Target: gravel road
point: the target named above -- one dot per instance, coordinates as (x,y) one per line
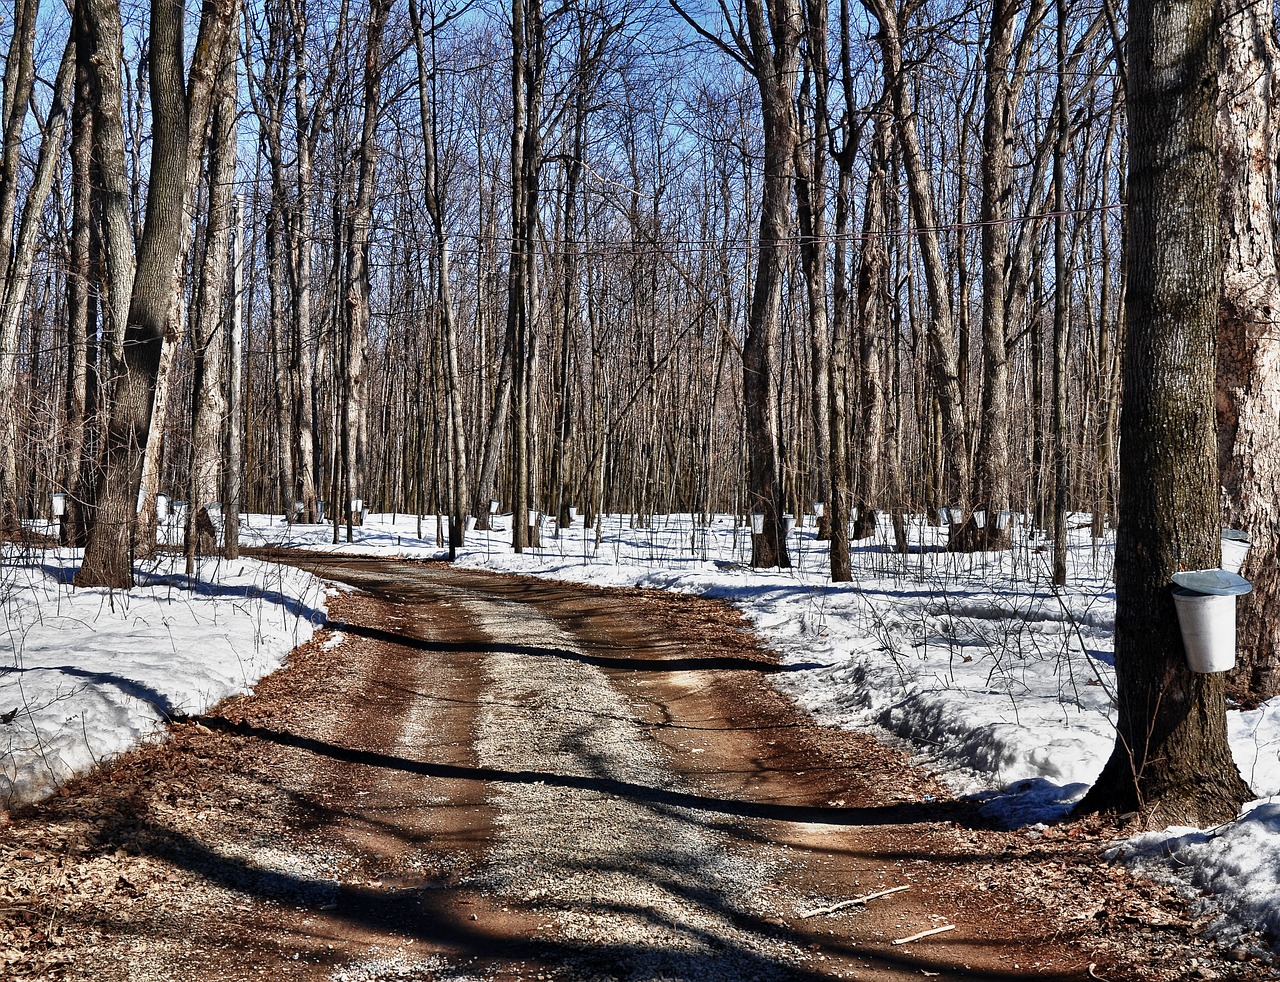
(477,777)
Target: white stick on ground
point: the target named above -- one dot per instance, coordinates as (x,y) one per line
(805,915)
(925,934)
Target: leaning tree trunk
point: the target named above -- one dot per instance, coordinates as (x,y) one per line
(1248,343)
(1171,759)
(943,356)
(17,278)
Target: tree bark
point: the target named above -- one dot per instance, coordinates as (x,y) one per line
(1171,760)
(358,286)
(1248,381)
(108,557)
(943,356)
(1002,94)
(233,493)
(433,194)
(811,205)
(209,333)
(17,276)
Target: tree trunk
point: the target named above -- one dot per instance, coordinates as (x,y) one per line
(943,358)
(357,297)
(232,495)
(108,557)
(1002,95)
(873,272)
(80,307)
(1171,760)
(811,203)
(17,275)
(433,193)
(209,334)
(1248,344)
(1061,309)
(774,57)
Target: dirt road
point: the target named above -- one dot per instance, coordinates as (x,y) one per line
(478,777)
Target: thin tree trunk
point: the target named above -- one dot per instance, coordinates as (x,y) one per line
(232,473)
(1061,311)
(209,334)
(17,275)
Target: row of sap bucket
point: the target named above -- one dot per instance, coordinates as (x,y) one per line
(1206,603)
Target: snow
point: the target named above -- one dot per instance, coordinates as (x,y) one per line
(989,675)
(89,673)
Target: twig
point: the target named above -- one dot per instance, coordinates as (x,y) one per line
(1093,974)
(925,934)
(851,903)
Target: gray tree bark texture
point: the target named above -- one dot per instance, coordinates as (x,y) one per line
(108,556)
(1171,760)
(209,327)
(774,54)
(1002,91)
(1248,342)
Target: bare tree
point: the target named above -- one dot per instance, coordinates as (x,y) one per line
(209,328)
(108,557)
(17,255)
(1171,759)
(1248,343)
(767,45)
(943,356)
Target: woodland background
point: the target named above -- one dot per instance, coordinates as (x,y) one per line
(614,257)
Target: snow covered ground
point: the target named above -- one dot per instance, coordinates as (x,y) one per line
(86,674)
(996,680)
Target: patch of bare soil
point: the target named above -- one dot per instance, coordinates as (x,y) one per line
(468,776)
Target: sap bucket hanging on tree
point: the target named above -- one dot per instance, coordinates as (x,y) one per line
(1206,603)
(1235,549)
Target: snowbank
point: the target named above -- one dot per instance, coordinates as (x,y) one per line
(87,673)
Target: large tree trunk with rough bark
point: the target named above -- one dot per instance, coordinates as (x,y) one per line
(774,56)
(1171,760)
(108,557)
(1248,342)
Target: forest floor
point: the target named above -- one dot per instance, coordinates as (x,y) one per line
(471,776)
